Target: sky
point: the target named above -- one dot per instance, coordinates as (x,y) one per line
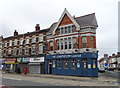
(23,15)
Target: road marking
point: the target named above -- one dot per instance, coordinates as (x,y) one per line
(11,78)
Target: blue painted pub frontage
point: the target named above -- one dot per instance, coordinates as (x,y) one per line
(82,64)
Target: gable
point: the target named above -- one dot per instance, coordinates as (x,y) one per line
(65,21)
(66,18)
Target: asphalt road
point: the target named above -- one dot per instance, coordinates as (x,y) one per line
(22,83)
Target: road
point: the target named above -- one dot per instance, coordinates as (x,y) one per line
(26,80)
(19,82)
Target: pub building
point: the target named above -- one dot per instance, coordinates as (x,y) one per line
(20,48)
(71,46)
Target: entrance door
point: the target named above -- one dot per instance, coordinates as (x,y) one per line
(50,69)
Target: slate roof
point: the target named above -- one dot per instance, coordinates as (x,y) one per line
(87,20)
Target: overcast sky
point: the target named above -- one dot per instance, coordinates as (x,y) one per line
(23,15)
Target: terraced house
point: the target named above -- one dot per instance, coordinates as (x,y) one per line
(25,50)
(72,46)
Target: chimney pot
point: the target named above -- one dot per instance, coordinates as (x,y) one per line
(37,27)
(15,33)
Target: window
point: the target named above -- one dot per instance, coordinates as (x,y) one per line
(15,51)
(0,52)
(65,45)
(21,41)
(51,46)
(69,29)
(9,51)
(15,42)
(33,39)
(26,51)
(41,49)
(4,52)
(62,31)
(92,41)
(59,31)
(94,63)
(73,63)
(20,51)
(66,63)
(40,38)
(10,44)
(5,44)
(70,45)
(61,45)
(58,45)
(73,28)
(27,41)
(66,29)
(84,42)
(84,63)
(59,63)
(33,49)
(0,44)
(74,42)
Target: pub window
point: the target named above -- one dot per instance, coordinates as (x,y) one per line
(59,62)
(26,50)
(74,42)
(70,45)
(84,63)
(94,63)
(61,46)
(65,45)
(66,63)
(69,29)
(84,42)
(73,63)
(65,30)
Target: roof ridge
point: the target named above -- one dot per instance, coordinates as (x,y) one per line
(84,15)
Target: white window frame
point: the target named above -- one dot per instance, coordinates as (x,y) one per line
(10,43)
(40,49)
(40,38)
(33,39)
(33,50)
(26,51)
(15,42)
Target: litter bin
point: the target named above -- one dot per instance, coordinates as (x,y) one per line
(25,70)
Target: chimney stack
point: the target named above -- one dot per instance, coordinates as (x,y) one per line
(37,27)
(113,54)
(15,33)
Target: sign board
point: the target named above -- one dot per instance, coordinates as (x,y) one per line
(80,55)
(10,60)
(24,60)
(37,59)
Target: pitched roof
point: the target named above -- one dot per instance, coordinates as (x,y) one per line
(87,20)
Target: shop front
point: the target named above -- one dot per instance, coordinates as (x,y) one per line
(82,64)
(10,64)
(37,65)
(23,63)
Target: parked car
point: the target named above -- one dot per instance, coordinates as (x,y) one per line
(101,69)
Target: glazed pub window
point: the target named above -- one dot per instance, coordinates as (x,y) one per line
(84,42)
(66,63)
(92,41)
(74,42)
(59,63)
(51,46)
(84,63)
(73,63)
(94,63)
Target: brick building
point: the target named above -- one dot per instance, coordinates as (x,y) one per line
(25,50)
(72,46)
